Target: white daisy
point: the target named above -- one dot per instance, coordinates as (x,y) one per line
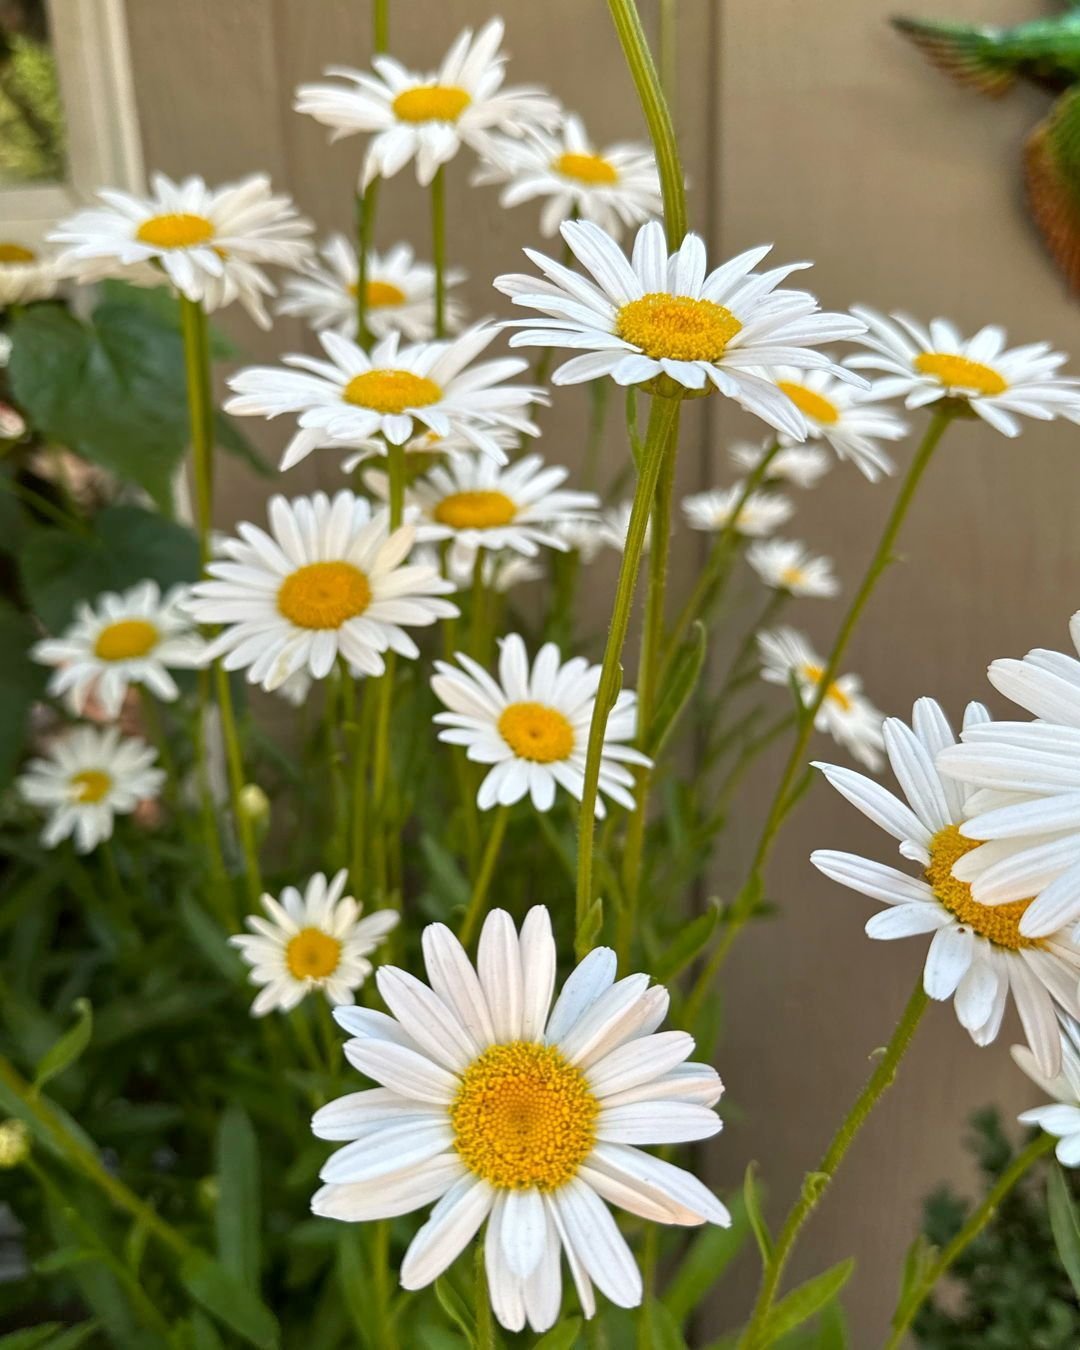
(312,941)
(499,571)
(846,714)
(497,1106)
(87,776)
(653,315)
(802,465)
(121,640)
(532,725)
(760,513)
(428,117)
(429,443)
(926,365)
(978,953)
(588,539)
(1029,803)
(788,566)
(211,243)
(851,420)
(616,188)
(327,581)
(1062,1119)
(394,392)
(399,293)
(26,274)
(616,525)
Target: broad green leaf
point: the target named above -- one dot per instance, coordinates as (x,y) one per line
(705,1261)
(1064,1223)
(450,883)
(692,937)
(681,683)
(203,1334)
(563,1337)
(68,1048)
(919,1257)
(238,1208)
(234,1306)
(752,1201)
(22,682)
(806,1301)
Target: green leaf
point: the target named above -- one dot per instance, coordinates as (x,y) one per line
(211,940)
(237,1215)
(455,1308)
(68,1048)
(662,1330)
(706,1259)
(681,683)
(692,937)
(31,1337)
(752,1201)
(920,1256)
(1064,1223)
(22,682)
(806,1301)
(213,1288)
(590,926)
(562,1337)
(73,1337)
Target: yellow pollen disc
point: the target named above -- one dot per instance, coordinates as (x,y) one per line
(312,954)
(999,923)
(126,640)
(16,253)
(593,169)
(524,1117)
(431,103)
(676,327)
(324,595)
(535,731)
(957,372)
(475,510)
(835,693)
(178,230)
(391,391)
(90,785)
(793,576)
(379,294)
(814,405)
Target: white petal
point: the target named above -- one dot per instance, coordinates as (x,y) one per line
(451,1226)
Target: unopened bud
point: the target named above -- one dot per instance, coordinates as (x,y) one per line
(254,803)
(14,1143)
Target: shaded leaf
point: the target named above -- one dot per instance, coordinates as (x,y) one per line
(705,1261)
(681,683)
(211,1285)
(562,1337)
(22,681)
(237,1214)
(692,937)
(455,1307)
(806,1301)
(1064,1223)
(752,1201)
(68,1048)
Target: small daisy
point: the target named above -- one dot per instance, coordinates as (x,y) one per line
(312,941)
(499,571)
(400,293)
(1062,1120)
(26,274)
(615,526)
(428,117)
(121,640)
(654,315)
(532,725)
(978,953)
(495,1105)
(801,465)
(327,581)
(429,443)
(846,714)
(1029,802)
(851,420)
(615,188)
(394,392)
(88,776)
(588,539)
(760,513)
(788,566)
(211,243)
(926,365)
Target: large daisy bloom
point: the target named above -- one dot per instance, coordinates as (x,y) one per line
(801,465)
(850,420)
(395,392)
(925,365)
(616,188)
(26,274)
(88,776)
(786,565)
(211,243)
(496,1105)
(532,725)
(1062,1118)
(1028,805)
(846,714)
(427,118)
(653,315)
(977,954)
(121,640)
(314,940)
(759,514)
(326,581)
(399,292)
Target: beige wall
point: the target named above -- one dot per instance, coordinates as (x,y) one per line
(809,124)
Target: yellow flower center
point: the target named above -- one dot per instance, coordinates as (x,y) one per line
(379,294)
(592,169)
(535,731)
(836,694)
(312,954)
(91,785)
(676,327)
(16,253)
(125,640)
(431,103)
(324,595)
(957,372)
(814,405)
(391,391)
(793,576)
(475,510)
(999,923)
(176,230)
(524,1117)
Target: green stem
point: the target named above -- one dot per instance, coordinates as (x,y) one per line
(245,826)
(361,756)
(380,24)
(976,1222)
(395,467)
(201,414)
(662,416)
(220,886)
(383,1281)
(438,247)
(478,609)
(815,1183)
(366,204)
(483,877)
(485,1323)
(335,684)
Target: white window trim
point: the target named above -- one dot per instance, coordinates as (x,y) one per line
(90,40)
